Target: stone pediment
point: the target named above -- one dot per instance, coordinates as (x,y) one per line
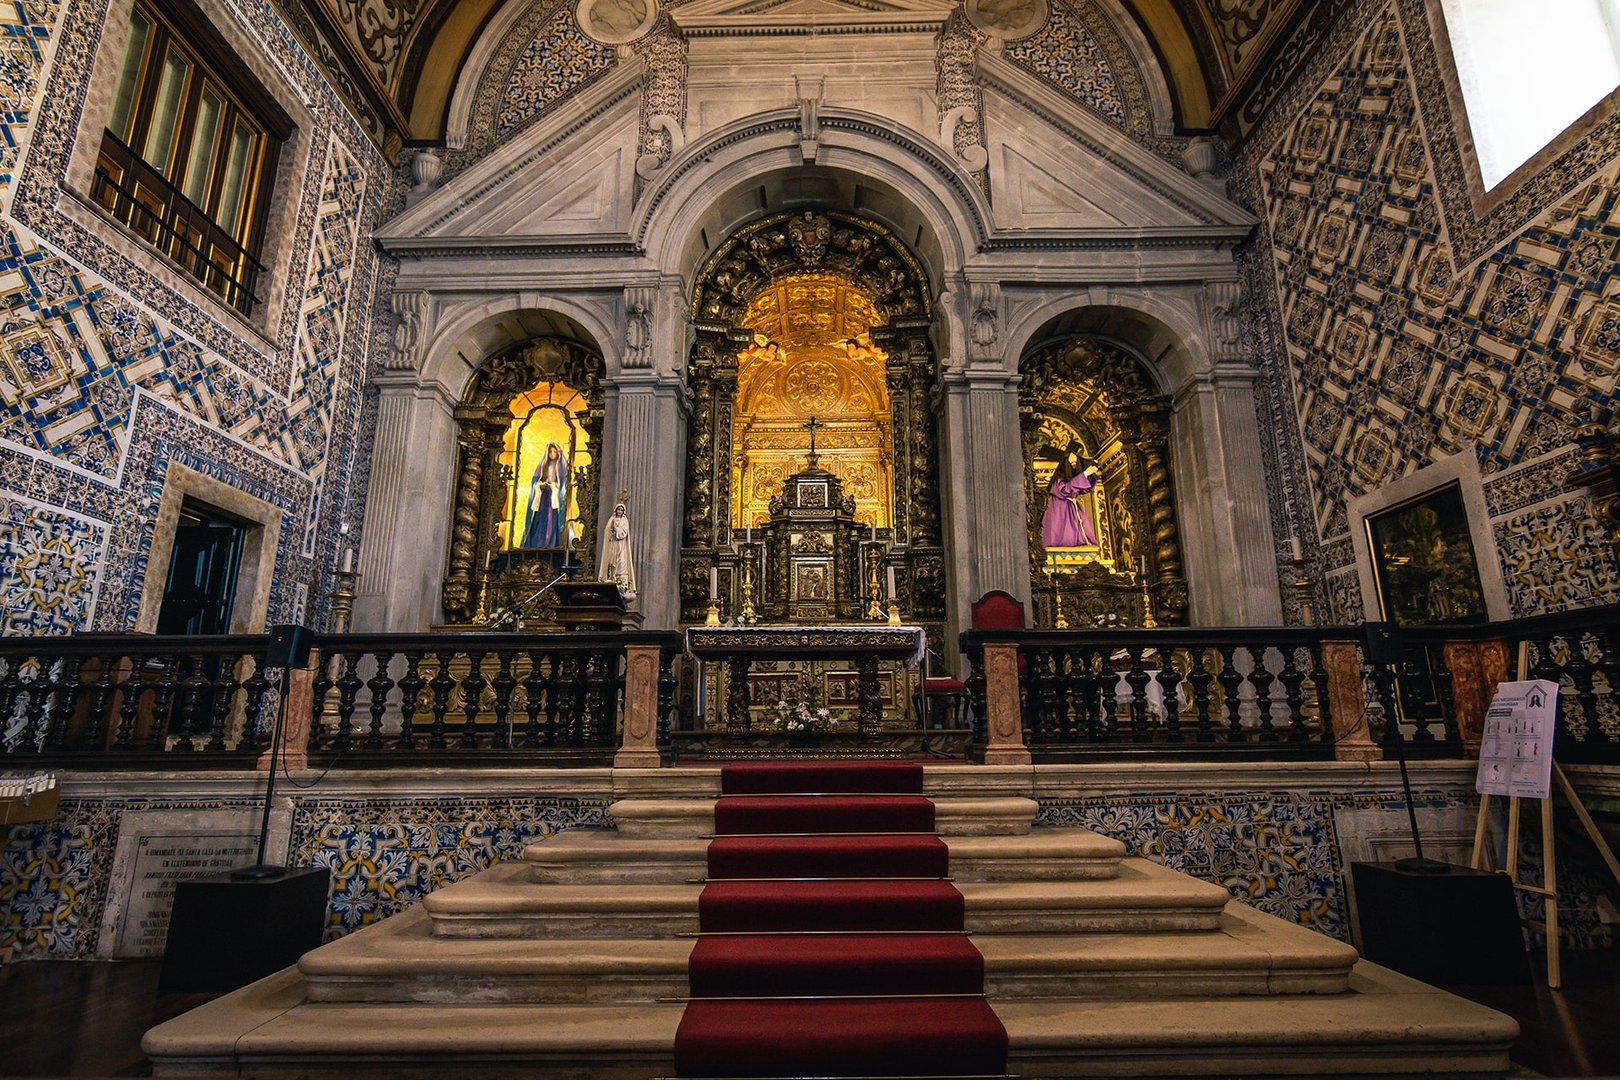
(566,178)
(1070,170)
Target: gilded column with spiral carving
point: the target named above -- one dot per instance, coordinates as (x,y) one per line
(1154,443)
(464,528)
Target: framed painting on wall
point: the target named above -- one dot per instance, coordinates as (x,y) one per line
(1424,562)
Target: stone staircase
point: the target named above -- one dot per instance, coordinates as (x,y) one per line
(563,965)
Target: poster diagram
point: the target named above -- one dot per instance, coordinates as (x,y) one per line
(1516,753)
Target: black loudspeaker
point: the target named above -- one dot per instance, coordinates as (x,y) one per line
(1381,644)
(290,645)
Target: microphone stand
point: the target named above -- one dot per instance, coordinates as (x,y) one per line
(515,612)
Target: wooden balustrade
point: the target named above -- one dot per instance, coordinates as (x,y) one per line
(105,700)
(1203,692)
(113,700)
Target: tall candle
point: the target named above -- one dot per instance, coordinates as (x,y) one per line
(1293,549)
(891,583)
(1144,566)
(348,560)
(748,534)
(874,534)
(714,582)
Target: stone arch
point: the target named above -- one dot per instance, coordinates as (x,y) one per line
(883,268)
(467,333)
(1163,329)
(862,162)
(483,574)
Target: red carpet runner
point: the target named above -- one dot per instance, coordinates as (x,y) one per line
(833,946)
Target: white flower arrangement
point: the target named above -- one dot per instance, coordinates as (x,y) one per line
(800,718)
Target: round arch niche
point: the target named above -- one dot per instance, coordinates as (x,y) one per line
(885,284)
(1104,542)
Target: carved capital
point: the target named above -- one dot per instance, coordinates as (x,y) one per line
(412,313)
(638,309)
(1223,302)
(984,318)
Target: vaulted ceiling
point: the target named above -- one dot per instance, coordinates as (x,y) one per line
(397,60)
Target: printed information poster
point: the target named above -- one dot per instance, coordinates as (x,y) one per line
(1516,753)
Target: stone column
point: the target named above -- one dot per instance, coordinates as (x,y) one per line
(644,444)
(639,747)
(1005,719)
(982,459)
(407,514)
(1231,565)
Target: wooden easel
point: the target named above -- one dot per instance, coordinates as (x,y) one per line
(1549,887)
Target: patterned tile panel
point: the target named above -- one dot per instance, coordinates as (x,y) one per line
(1079,50)
(1391,352)
(53,881)
(48,560)
(1279,852)
(106,375)
(385,855)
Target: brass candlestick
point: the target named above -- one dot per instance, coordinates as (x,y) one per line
(343,600)
(747,616)
(874,611)
(1300,587)
(894,611)
(714,612)
(1148,621)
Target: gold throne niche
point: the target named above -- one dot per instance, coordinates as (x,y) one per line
(811,356)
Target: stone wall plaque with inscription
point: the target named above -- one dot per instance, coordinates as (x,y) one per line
(158,862)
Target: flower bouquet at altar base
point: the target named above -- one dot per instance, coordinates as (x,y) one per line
(803,718)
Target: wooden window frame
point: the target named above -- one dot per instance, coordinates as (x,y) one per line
(148,197)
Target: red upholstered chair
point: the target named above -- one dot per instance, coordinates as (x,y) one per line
(998,610)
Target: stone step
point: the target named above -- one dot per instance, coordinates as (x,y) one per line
(501,903)
(1385,1024)
(954,816)
(401,960)
(603,856)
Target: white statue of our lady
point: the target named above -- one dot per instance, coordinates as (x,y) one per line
(616,559)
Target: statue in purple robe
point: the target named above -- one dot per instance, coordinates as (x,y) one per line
(1066,524)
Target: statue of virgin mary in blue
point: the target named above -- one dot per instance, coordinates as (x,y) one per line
(548,501)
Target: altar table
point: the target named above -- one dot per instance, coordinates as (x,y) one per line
(868,645)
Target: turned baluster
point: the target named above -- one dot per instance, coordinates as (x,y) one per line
(69,690)
(256,687)
(33,695)
(1169,679)
(1319,680)
(598,701)
(667,685)
(1039,696)
(1264,683)
(536,693)
(558,679)
(1231,680)
(101,700)
(131,689)
(1137,678)
(1293,679)
(472,693)
(1199,677)
(503,685)
(163,689)
(442,684)
(222,693)
(348,688)
(410,690)
(378,687)
(190,691)
(319,687)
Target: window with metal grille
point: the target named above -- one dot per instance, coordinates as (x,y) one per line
(185,161)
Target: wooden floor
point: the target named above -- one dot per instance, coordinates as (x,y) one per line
(84,1018)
